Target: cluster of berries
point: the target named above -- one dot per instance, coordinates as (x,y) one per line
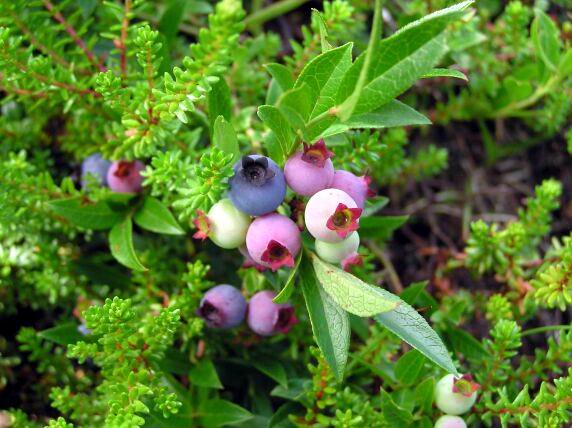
(120,176)
(454,396)
(272,240)
(224,307)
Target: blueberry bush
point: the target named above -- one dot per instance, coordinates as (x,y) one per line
(349,213)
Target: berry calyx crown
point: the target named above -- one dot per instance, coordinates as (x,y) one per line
(277,255)
(203,226)
(344,220)
(124,168)
(465,385)
(256,171)
(317,154)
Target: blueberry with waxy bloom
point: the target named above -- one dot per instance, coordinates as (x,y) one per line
(449,421)
(96,167)
(455,396)
(356,187)
(344,252)
(311,170)
(223,306)
(273,241)
(258,186)
(125,176)
(224,224)
(267,318)
(331,215)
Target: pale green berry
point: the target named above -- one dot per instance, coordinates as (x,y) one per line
(451,402)
(227,225)
(336,252)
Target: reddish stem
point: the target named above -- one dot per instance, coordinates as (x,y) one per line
(71,31)
(123,40)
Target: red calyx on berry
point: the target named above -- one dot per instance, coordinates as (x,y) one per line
(344,220)
(465,385)
(202,224)
(277,255)
(317,153)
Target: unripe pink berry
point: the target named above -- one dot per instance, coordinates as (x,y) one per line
(331,215)
(125,177)
(267,318)
(356,187)
(273,241)
(448,421)
(310,170)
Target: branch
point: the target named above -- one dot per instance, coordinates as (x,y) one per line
(71,31)
(123,41)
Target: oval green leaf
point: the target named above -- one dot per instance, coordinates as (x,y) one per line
(156,217)
(88,215)
(121,245)
(351,293)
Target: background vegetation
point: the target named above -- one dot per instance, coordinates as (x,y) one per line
(473,224)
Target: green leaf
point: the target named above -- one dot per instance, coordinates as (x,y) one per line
(282,75)
(391,115)
(204,374)
(175,361)
(408,368)
(98,216)
(410,294)
(102,274)
(323,76)
(565,67)
(373,205)
(219,102)
(379,227)
(351,293)
(288,288)
(281,418)
(224,137)
(400,60)
(330,323)
(218,413)
(63,334)
(295,105)
(319,18)
(546,39)
(466,344)
(445,72)
(406,323)
(424,393)
(271,367)
(394,415)
(171,19)
(283,133)
(296,390)
(156,217)
(121,245)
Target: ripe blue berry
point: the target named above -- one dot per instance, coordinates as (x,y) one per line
(448,421)
(455,396)
(125,177)
(267,318)
(331,215)
(273,241)
(222,307)
(258,186)
(96,167)
(356,187)
(225,225)
(309,171)
(344,252)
